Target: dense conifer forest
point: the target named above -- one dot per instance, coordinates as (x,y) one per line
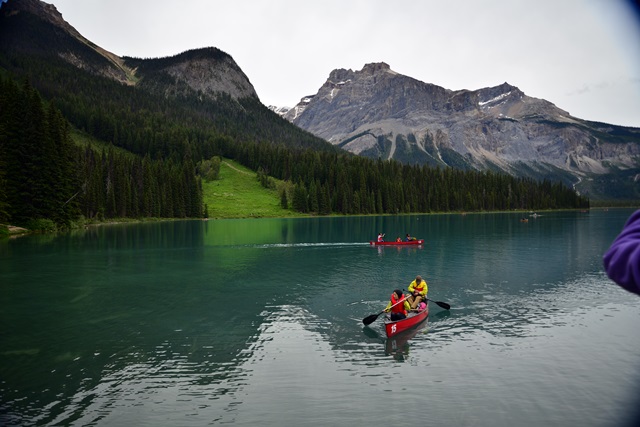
(44,176)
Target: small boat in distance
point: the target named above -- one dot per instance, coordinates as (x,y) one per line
(415,318)
(403,243)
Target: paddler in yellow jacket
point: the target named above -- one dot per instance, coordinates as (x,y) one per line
(418,289)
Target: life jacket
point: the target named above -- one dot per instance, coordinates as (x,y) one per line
(400,307)
(420,287)
(379,238)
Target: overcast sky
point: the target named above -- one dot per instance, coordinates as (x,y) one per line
(581,55)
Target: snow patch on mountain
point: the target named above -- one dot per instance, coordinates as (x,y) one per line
(496,99)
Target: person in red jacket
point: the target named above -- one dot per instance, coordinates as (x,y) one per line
(622,259)
(398,305)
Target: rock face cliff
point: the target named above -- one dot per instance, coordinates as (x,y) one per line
(56,39)
(208,71)
(379,113)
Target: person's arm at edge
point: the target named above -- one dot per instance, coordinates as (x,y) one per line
(622,259)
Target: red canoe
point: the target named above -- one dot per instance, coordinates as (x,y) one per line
(403,243)
(415,318)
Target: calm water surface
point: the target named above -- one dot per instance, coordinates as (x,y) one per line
(259,322)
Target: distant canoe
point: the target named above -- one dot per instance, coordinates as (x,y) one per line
(409,243)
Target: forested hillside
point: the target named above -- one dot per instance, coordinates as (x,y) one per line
(165,128)
(44,176)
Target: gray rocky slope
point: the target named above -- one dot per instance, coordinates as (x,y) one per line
(379,113)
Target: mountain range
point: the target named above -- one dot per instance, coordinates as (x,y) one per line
(204,87)
(374,112)
(378,113)
(208,71)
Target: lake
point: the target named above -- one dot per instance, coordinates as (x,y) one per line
(259,322)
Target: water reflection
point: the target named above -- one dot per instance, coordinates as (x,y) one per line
(398,250)
(398,345)
(247,321)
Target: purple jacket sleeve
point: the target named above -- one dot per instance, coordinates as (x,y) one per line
(622,260)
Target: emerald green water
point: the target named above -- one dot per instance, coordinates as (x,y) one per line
(258,322)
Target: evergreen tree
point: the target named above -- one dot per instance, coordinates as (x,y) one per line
(299,202)
(4,205)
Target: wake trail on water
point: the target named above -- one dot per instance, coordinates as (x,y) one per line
(308,245)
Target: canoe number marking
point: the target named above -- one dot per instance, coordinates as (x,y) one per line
(393,329)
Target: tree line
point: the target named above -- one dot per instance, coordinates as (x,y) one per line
(327,183)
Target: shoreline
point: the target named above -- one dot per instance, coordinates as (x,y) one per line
(14,231)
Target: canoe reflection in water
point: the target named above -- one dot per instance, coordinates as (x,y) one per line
(398,345)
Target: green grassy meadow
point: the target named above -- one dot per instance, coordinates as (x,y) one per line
(238,194)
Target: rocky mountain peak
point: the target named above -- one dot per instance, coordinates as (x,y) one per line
(341,75)
(207,70)
(375,67)
(379,113)
(56,37)
(45,11)
(501,91)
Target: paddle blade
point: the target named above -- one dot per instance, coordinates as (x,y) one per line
(443,305)
(370,319)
